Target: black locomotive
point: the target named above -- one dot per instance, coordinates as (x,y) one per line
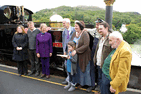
(10,18)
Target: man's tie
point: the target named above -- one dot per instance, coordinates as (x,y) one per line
(68,35)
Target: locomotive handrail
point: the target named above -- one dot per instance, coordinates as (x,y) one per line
(5,50)
(6,54)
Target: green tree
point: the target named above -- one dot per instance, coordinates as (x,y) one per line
(133,33)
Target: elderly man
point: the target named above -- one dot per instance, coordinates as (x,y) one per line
(117,66)
(66,36)
(102,50)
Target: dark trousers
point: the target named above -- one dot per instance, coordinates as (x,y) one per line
(45,65)
(34,60)
(72,78)
(22,67)
(99,75)
(105,85)
(92,73)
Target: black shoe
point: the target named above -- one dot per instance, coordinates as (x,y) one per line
(97,88)
(37,74)
(31,73)
(65,82)
(89,89)
(20,75)
(25,74)
(96,93)
(43,75)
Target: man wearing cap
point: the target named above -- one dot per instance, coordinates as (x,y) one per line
(95,41)
(66,36)
(102,50)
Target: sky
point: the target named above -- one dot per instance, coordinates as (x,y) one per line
(36,5)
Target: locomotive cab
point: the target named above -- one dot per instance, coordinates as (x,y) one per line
(10,18)
(14,14)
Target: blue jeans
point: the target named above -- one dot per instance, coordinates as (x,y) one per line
(99,75)
(67,78)
(105,85)
(72,78)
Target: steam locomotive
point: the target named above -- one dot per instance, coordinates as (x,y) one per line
(10,18)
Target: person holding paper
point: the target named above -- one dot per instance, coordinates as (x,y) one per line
(20,44)
(71,66)
(66,36)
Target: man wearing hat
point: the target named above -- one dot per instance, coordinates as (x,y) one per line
(95,41)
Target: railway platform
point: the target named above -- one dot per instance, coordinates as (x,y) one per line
(11,83)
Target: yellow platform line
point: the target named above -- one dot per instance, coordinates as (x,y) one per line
(40,79)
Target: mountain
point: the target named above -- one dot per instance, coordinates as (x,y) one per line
(92,8)
(136,13)
(85,13)
(88,14)
(68,8)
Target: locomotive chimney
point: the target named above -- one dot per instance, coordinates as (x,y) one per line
(22,14)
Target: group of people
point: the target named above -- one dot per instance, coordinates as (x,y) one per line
(33,45)
(105,67)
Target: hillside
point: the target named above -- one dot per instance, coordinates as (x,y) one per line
(80,13)
(92,8)
(88,14)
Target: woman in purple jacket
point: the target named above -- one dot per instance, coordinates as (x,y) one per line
(44,49)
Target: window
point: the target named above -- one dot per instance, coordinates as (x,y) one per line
(7,12)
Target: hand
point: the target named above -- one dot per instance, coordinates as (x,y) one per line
(94,64)
(112,90)
(73,53)
(68,57)
(19,48)
(50,54)
(64,53)
(77,35)
(85,29)
(38,55)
